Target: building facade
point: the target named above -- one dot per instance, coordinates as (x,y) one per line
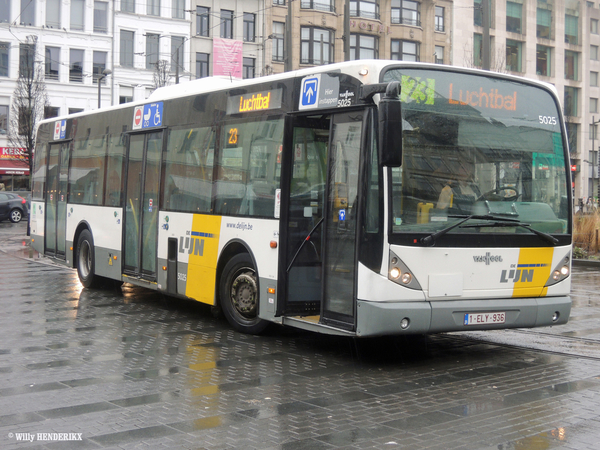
(555,41)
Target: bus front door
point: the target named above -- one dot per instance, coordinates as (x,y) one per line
(318,229)
(56,200)
(141,208)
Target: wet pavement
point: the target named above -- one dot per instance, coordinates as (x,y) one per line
(130,368)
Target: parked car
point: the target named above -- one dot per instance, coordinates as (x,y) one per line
(12,207)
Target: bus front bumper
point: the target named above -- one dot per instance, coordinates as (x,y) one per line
(387,318)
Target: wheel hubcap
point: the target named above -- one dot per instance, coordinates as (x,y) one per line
(85,262)
(244,293)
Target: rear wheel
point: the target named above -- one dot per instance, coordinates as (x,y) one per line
(85,261)
(16,216)
(239,295)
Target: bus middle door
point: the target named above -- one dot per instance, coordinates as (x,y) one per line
(56,200)
(141,205)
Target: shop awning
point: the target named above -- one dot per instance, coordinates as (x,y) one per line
(13,167)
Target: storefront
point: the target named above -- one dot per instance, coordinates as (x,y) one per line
(14,169)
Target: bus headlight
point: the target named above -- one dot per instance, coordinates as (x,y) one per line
(399,273)
(560,272)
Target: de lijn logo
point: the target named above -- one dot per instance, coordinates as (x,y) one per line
(522,273)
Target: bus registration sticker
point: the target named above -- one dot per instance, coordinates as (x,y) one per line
(485,318)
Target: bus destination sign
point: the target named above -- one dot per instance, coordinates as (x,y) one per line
(257,101)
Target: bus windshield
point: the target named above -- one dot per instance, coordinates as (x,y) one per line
(477,145)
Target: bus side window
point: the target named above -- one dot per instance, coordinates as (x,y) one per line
(188,170)
(114,168)
(86,174)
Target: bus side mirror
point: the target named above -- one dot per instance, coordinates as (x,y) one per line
(390,127)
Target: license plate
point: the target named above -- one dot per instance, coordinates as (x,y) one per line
(485,318)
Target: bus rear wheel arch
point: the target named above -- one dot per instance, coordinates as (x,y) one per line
(239,295)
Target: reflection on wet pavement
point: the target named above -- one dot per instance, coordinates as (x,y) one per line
(131,367)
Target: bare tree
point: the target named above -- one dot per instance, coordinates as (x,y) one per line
(497,58)
(161,73)
(29,100)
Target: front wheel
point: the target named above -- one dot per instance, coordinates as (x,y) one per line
(85,260)
(16,216)
(239,295)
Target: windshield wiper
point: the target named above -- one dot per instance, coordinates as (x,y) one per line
(430,240)
(547,237)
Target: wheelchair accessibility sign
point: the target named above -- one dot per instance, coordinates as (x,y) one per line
(147,116)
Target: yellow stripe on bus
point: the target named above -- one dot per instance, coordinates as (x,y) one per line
(534,265)
(202,264)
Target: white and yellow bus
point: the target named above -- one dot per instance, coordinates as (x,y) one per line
(362,198)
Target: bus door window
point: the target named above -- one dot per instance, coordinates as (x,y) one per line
(114,169)
(303,230)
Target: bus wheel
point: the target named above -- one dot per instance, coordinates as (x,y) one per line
(239,295)
(85,260)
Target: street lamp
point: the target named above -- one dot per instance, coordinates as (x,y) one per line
(105,73)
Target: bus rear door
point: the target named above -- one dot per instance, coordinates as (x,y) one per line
(56,199)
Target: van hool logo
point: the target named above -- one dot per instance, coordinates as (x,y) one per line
(487,258)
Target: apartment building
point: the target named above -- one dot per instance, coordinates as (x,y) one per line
(555,41)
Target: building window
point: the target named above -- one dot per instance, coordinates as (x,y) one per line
(407,12)
(249,27)
(27,16)
(439,19)
(98,66)
(369,9)
(544,20)
(151,50)
(52,63)
(178,7)
(226,24)
(514,12)
(321,5)
(542,61)
(201,65)
(76,66)
(126,58)
(571,29)
(571,65)
(278,41)
(177,53)
(593,105)
(594,26)
(3,119)
(128,6)
(26,59)
(202,21)
(405,50)
(248,68)
(363,46)
(51,111)
(316,45)
(4,11)
(514,52)
(279,2)
(75,110)
(77,14)
(100,17)
(4,46)
(594,52)
(477,13)
(153,7)
(52,13)
(477,49)
(438,54)
(594,79)
(125,99)
(570,101)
